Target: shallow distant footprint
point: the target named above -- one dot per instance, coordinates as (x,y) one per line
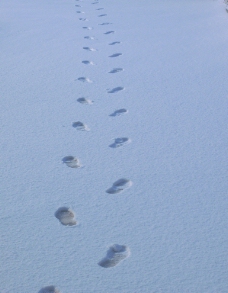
(114,256)
(80,11)
(90,38)
(78,5)
(114,43)
(83,19)
(87,28)
(87,62)
(101,15)
(71,162)
(99,8)
(89,49)
(115,55)
(66,216)
(105,23)
(84,79)
(115,70)
(119,112)
(49,289)
(109,32)
(80,126)
(119,186)
(85,101)
(115,90)
(120,141)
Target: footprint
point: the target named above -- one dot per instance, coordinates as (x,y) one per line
(119,112)
(99,8)
(115,70)
(49,289)
(105,23)
(115,90)
(95,3)
(89,38)
(114,43)
(114,256)
(109,32)
(115,55)
(78,5)
(66,216)
(84,79)
(71,162)
(83,19)
(87,62)
(101,15)
(85,101)
(87,27)
(80,11)
(80,126)
(119,186)
(89,49)
(120,141)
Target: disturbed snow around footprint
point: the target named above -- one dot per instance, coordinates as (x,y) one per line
(87,62)
(80,126)
(89,49)
(115,90)
(49,289)
(119,186)
(89,38)
(85,101)
(120,141)
(66,216)
(114,256)
(71,162)
(84,79)
(119,112)
(87,28)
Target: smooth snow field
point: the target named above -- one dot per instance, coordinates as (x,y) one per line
(114,146)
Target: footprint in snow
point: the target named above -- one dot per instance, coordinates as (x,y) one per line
(89,38)
(120,141)
(105,23)
(115,90)
(95,3)
(80,126)
(114,256)
(87,62)
(66,216)
(119,186)
(114,43)
(71,162)
(85,101)
(101,15)
(99,8)
(80,11)
(78,5)
(83,19)
(119,112)
(109,32)
(84,79)
(49,289)
(115,70)
(87,28)
(115,55)
(89,49)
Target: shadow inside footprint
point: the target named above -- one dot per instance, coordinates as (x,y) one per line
(83,100)
(99,8)
(114,43)
(119,186)
(114,256)
(101,15)
(115,90)
(89,49)
(49,289)
(115,70)
(119,112)
(66,216)
(83,19)
(87,62)
(109,32)
(80,126)
(84,79)
(120,141)
(115,55)
(71,162)
(87,27)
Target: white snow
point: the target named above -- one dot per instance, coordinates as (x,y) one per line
(173,219)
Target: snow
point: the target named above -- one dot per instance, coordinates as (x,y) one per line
(173,89)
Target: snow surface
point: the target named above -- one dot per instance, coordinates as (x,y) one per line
(173,218)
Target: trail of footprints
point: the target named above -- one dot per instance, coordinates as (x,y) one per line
(65,215)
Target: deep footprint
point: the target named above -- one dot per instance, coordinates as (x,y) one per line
(119,112)
(115,90)
(114,43)
(71,162)
(49,289)
(109,32)
(119,186)
(66,216)
(89,49)
(115,70)
(84,79)
(115,55)
(80,126)
(87,62)
(114,256)
(85,101)
(120,141)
